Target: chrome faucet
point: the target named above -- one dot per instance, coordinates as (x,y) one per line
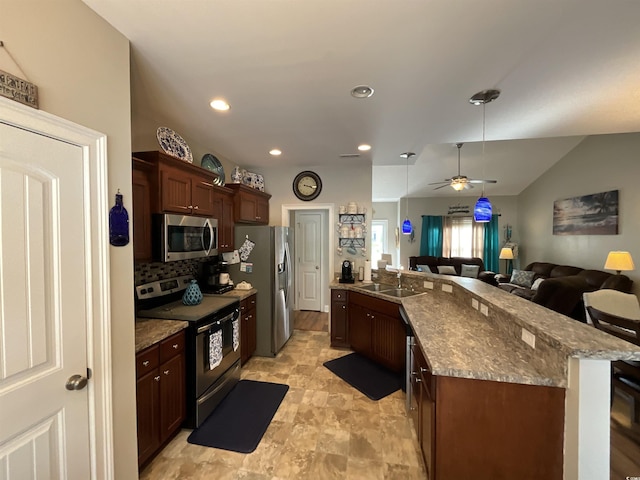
(399,281)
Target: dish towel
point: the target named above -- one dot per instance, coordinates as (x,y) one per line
(236,334)
(215,349)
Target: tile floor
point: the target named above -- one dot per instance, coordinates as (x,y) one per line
(324,428)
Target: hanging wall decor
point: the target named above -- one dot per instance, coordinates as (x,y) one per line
(118,223)
(595,214)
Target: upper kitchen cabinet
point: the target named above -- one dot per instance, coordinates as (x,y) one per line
(141,194)
(180,187)
(250,205)
(223,211)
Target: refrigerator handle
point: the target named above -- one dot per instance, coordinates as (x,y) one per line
(287,267)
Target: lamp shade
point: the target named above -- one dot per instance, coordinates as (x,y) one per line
(619,261)
(506,254)
(406,227)
(482,211)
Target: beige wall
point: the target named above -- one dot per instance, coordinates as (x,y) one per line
(598,164)
(506,206)
(81,67)
(348,183)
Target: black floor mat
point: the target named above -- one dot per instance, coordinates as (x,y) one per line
(368,377)
(241,419)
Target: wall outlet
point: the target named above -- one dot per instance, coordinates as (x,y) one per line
(474,303)
(447,288)
(529,338)
(428,285)
(326,308)
(484,309)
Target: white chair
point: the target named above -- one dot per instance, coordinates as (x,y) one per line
(612,301)
(618,314)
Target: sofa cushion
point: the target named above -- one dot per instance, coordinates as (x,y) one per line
(447,270)
(469,271)
(536,283)
(423,268)
(525,293)
(564,271)
(522,278)
(594,278)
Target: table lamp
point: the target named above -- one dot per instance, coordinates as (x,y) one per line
(618,261)
(506,254)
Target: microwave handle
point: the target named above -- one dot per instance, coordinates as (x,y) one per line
(208,226)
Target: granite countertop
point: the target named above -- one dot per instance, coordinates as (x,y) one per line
(460,341)
(150,331)
(153,330)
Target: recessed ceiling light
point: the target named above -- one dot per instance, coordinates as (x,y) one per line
(220,105)
(275,152)
(364,147)
(362,91)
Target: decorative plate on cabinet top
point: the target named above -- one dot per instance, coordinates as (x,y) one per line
(173,144)
(212,163)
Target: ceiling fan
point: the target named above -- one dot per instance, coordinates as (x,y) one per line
(460,182)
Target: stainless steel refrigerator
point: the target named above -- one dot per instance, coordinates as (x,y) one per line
(272,275)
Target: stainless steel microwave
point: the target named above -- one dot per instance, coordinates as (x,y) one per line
(181,237)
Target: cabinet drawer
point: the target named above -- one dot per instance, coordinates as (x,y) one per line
(338,295)
(171,346)
(147,360)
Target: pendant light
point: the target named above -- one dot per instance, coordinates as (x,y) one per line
(406,225)
(482,211)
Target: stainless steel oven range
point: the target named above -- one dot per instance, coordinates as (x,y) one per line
(213,341)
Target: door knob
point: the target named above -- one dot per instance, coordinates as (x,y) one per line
(76,382)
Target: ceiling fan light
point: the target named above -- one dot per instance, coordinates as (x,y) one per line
(457,186)
(482,211)
(406,227)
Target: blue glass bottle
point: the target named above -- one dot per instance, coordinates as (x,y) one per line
(118,223)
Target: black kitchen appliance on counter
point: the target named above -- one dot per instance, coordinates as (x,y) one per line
(212,275)
(347,272)
(212,341)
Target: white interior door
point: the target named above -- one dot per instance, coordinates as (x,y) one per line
(45,301)
(309,236)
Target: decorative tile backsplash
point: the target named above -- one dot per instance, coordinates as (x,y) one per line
(150,272)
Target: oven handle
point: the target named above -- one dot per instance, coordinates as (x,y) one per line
(206,327)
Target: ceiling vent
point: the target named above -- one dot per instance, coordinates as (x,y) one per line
(349,155)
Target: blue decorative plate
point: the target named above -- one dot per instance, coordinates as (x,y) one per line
(212,163)
(173,144)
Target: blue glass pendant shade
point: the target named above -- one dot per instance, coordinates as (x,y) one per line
(118,223)
(406,227)
(482,210)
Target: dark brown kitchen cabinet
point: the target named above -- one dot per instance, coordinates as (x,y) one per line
(481,429)
(160,394)
(339,319)
(250,205)
(376,330)
(248,328)
(178,186)
(223,211)
(141,202)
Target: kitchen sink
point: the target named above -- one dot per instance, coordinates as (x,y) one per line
(398,292)
(374,287)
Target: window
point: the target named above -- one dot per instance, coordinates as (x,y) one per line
(462,237)
(378,240)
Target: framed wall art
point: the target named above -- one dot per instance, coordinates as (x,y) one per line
(594,214)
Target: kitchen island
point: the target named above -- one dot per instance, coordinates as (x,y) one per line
(468,330)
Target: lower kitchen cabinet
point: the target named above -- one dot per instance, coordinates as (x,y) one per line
(248,328)
(376,330)
(339,319)
(480,429)
(160,394)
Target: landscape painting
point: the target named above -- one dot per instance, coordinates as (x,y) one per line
(595,214)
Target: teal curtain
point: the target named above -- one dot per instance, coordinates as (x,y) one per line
(432,234)
(491,252)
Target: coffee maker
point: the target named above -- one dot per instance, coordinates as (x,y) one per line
(214,277)
(347,272)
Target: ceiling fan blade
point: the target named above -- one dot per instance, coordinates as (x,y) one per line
(483,181)
(446,182)
(441,186)
(467,186)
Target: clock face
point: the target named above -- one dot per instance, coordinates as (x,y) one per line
(307,185)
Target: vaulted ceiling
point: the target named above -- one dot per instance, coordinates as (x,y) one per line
(565,69)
